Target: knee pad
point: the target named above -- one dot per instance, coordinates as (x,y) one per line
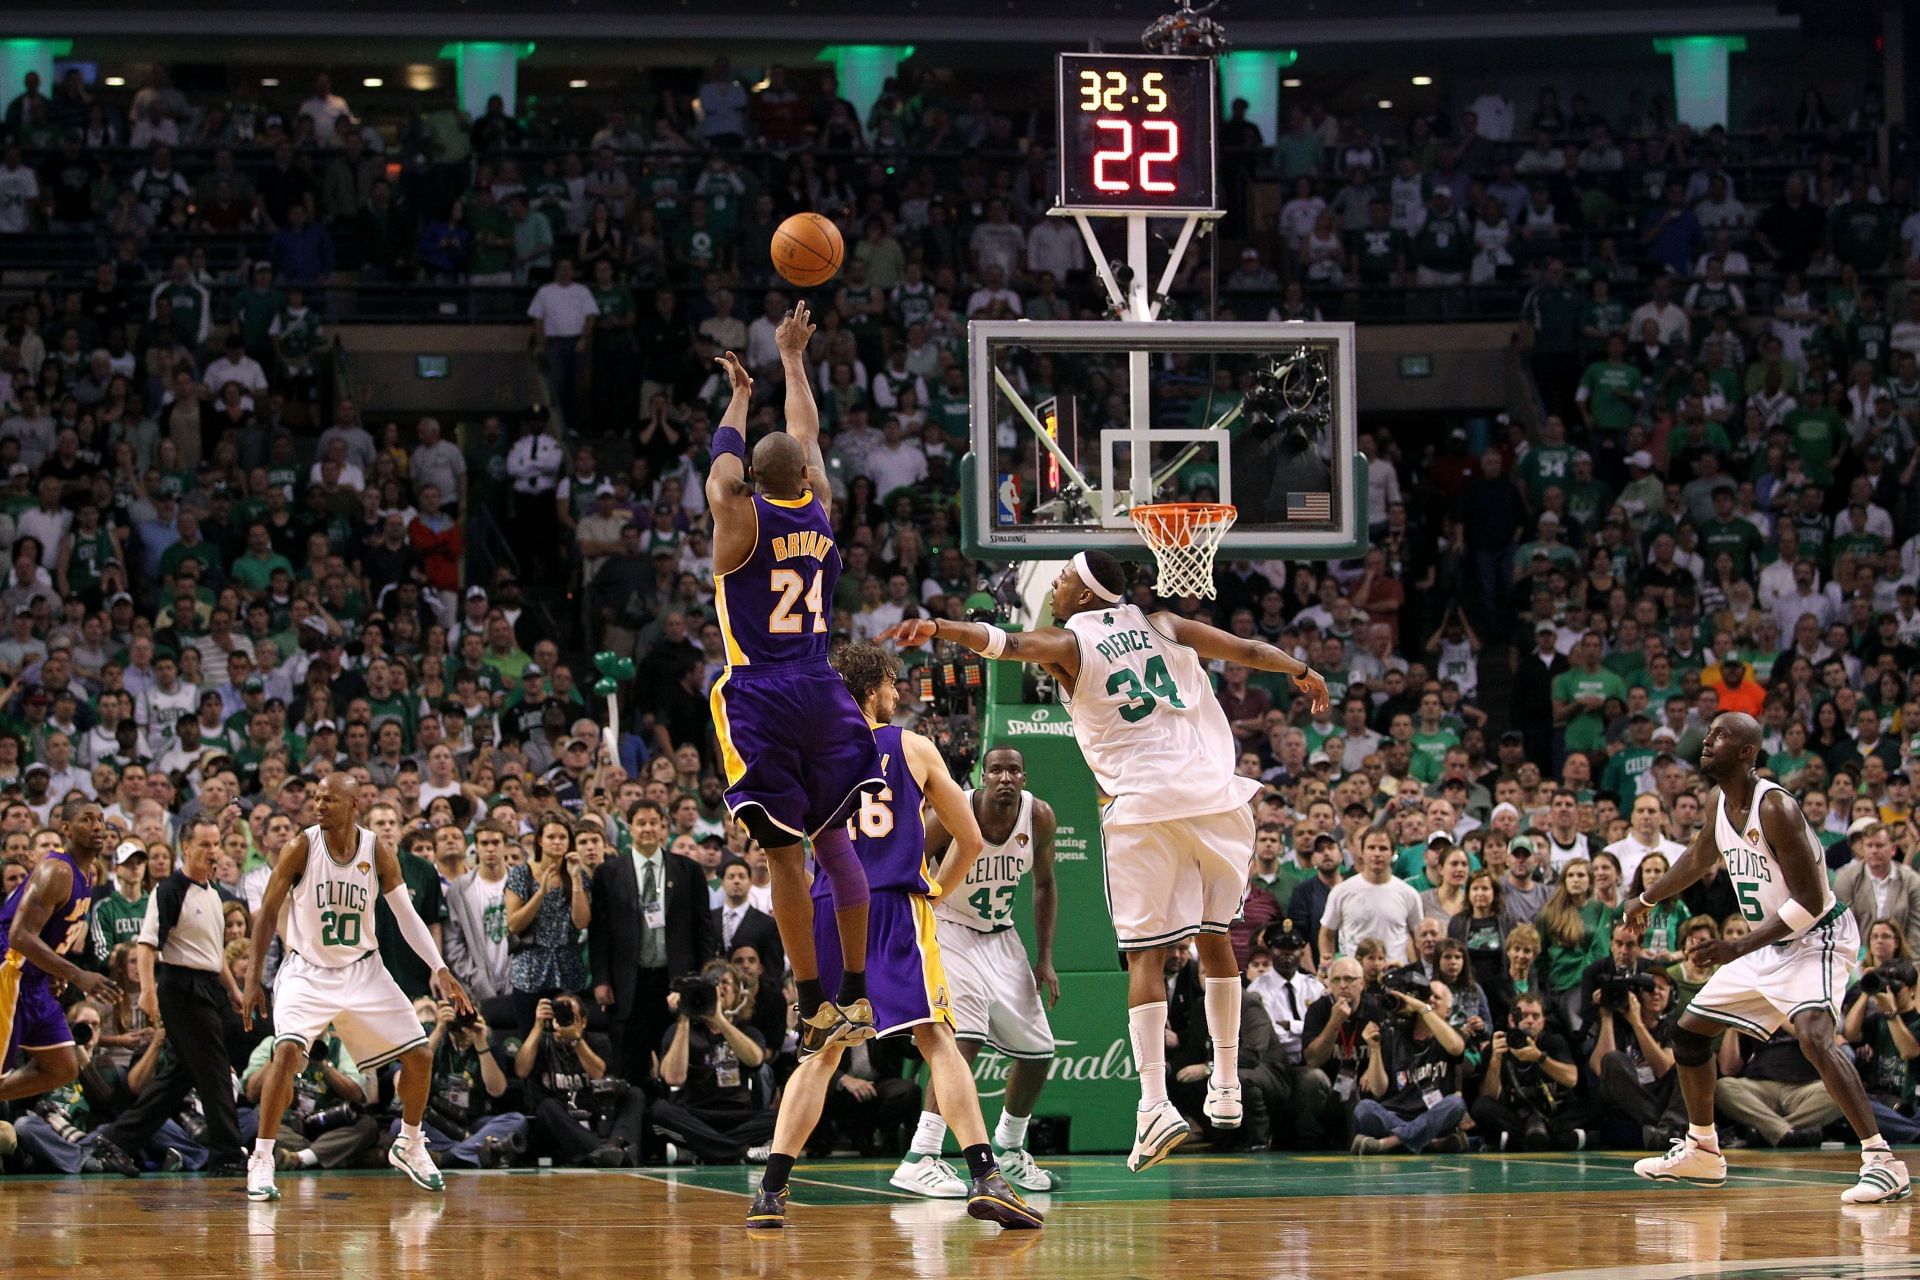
(1690,1048)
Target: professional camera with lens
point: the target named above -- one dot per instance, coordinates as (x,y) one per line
(698,997)
(1408,980)
(1617,988)
(1518,1039)
(1895,976)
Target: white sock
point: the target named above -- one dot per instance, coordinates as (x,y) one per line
(307,1159)
(1877,1145)
(410,1132)
(1223,1028)
(263,1148)
(1147,1026)
(1011,1133)
(929,1135)
(1705,1136)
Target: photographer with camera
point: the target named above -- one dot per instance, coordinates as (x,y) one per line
(325,1125)
(581,1114)
(1527,1099)
(711,1063)
(1883,1026)
(1333,1041)
(1624,957)
(457,1127)
(1632,1056)
(1411,1080)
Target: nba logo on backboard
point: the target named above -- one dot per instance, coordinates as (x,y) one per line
(1008,506)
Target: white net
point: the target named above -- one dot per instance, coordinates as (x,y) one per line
(1184,537)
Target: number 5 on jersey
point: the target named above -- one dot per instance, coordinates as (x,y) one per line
(784,621)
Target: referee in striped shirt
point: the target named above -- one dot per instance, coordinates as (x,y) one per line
(186,989)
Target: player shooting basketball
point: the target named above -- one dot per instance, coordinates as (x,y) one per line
(797,751)
(1177,826)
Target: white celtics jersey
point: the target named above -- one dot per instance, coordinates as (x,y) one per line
(1148,723)
(985,901)
(162,711)
(328,919)
(1458,664)
(1758,884)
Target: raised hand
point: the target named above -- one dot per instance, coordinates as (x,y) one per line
(795,331)
(737,375)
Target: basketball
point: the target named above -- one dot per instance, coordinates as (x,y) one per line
(807,250)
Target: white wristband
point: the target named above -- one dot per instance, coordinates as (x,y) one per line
(996,641)
(1796,917)
(1645,901)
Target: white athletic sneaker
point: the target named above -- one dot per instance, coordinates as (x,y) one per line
(411,1158)
(1882,1178)
(1156,1132)
(1017,1164)
(260,1177)
(1685,1161)
(1222,1108)
(929,1176)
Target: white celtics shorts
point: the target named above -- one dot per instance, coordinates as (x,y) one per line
(1765,988)
(368,1010)
(992,989)
(1170,879)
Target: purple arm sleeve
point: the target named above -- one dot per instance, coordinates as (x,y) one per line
(833,850)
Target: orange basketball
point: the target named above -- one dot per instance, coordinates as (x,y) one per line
(807,249)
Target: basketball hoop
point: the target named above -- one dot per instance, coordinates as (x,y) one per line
(1184,537)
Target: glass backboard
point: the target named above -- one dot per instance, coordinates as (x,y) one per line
(1075,422)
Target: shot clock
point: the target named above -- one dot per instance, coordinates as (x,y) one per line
(1136,133)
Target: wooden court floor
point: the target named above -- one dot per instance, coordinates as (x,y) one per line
(1575,1217)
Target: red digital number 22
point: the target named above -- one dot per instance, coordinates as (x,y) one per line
(1123,154)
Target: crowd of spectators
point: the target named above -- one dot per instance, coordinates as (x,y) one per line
(225,582)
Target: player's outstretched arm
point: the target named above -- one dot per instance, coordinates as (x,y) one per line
(287,870)
(803,415)
(726,476)
(1701,853)
(1214,644)
(399,899)
(949,804)
(1048,646)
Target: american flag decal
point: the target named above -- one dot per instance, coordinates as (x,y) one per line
(1309,506)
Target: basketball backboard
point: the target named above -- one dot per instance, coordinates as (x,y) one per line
(1075,422)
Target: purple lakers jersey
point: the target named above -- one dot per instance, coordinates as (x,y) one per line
(888,834)
(775,608)
(66,928)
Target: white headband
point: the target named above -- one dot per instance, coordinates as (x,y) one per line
(1099,589)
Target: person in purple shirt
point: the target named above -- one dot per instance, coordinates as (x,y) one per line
(40,923)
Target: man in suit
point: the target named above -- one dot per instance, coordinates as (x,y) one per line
(1874,886)
(651,923)
(738,922)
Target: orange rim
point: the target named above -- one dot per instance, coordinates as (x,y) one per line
(1173,523)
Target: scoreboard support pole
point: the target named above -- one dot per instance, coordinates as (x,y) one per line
(1138,303)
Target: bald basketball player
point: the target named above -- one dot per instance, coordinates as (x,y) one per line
(325,882)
